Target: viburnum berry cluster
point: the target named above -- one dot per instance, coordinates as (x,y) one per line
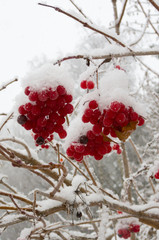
(45,113)
(126,232)
(114,121)
(85,84)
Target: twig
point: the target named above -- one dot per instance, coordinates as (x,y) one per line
(19,142)
(7,194)
(61,179)
(6,121)
(136,151)
(154,4)
(7,186)
(126,171)
(85,24)
(44,177)
(150,69)
(122,14)
(3,87)
(147,17)
(115,16)
(89,173)
(141,36)
(110,56)
(75,5)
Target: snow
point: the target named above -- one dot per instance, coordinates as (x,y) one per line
(49,76)
(114,86)
(76,129)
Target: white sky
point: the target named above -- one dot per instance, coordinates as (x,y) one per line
(29,32)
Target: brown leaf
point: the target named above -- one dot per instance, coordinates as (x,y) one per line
(126,131)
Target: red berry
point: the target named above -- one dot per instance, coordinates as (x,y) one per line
(85,119)
(22,119)
(58,128)
(107,122)
(28,107)
(134,116)
(41,122)
(62,134)
(68,98)
(84,84)
(90,85)
(61,90)
(110,114)
(98,156)
(46,111)
(70,152)
(22,110)
(113,133)
(96,129)
(115,106)
(53,95)
(118,67)
(157,175)
(68,109)
(106,131)
(78,156)
(28,125)
(88,112)
(43,95)
(79,148)
(36,110)
(134,228)
(33,96)
(90,135)
(93,104)
(141,121)
(27,90)
(120,118)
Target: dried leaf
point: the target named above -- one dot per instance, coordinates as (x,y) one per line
(126,131)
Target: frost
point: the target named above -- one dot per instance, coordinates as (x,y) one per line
(114,86)
(49,76)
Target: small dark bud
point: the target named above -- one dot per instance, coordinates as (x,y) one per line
(78,214)
(87,62)
(40,140)
(83,139)
(22,119)
(17,163)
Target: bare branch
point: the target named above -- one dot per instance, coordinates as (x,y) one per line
(4,87)
(154,4)
(85,24)
(110,56)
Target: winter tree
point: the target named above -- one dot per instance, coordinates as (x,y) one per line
(79,150)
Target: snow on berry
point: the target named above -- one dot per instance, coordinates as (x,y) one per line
(127,226)
(45,103)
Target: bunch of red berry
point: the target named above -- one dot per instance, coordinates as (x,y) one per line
(85,84)
(126,232)
(117,116)
(89,144)
(45,113)
(111,121)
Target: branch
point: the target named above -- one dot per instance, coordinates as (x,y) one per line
(110,56)
(154,4)
(3,87)
(85,24)
(122,14)
(147,17)
(6,121)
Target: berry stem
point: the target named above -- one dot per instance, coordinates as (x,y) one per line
(126,171)
(89,173)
